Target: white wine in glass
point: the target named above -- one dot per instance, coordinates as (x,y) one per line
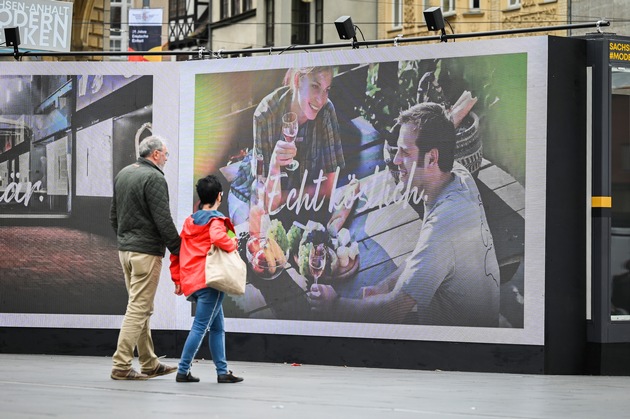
(317,261)
(290,131)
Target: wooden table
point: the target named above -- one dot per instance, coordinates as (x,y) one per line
(386,236)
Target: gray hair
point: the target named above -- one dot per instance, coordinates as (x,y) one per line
(150,144)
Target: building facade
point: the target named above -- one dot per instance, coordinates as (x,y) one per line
(235,26)
(405,17)
(616,11)
(102,25)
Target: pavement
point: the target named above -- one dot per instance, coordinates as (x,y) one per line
(46,386)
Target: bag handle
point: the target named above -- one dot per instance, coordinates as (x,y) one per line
(227,230)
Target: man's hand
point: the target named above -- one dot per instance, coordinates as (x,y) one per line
(178,289)
(321,297)
(370,290)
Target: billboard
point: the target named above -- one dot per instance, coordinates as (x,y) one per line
(400,261)
(67,129)
(399,257)
(43,25)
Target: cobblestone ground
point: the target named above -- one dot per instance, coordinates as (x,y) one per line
(59,270)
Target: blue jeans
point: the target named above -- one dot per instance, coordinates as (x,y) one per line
(208,317)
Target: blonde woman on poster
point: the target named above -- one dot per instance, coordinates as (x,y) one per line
(296,140)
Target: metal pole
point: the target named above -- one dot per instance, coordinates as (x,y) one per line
(354,44)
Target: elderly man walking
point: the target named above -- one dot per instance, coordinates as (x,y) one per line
(141,217)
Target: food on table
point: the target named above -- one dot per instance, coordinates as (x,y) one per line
(253,245)
(317,237)
(311,238)
(268,252)
(294,236)
(347,256)
(266,257)
(340,215)
(276,250)
(343,253)
(353,250)
(332,262)
(277,232)
(302,258)
(271,259)
(343,238)
(259,263)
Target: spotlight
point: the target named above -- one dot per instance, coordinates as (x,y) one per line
(435,20)
(345,29)
(12,39)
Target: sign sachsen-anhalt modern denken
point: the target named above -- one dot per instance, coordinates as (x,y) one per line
(44,25)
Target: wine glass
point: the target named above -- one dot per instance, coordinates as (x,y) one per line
(317,261)
(290,131)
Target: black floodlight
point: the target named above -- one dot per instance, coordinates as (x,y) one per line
(433,17)
(12,37)
(345,28)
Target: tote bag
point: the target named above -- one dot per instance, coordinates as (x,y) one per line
(225,271)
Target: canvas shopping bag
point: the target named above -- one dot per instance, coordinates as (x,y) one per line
(225,271)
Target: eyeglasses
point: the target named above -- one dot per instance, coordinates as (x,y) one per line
(166,154)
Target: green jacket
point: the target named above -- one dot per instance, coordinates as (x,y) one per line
(140,212)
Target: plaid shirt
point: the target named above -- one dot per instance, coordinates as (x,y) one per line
(318,144)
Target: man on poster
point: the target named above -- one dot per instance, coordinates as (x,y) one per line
(452,276)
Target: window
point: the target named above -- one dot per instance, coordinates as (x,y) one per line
(397,13)
(514,3)
(115,44)
(224,12)
(319,21)
(176,8)
(172,8)
(474,4)
(247,5)
(448,7)
(118,29)
(236,7)
(269,23)
(300,22)
(114,16)
(620,188)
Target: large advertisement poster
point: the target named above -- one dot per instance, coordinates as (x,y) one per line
(407,203)
(378,194)
(66,131)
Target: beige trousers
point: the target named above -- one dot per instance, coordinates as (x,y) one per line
(142,273)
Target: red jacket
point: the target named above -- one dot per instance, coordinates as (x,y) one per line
(200,231)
